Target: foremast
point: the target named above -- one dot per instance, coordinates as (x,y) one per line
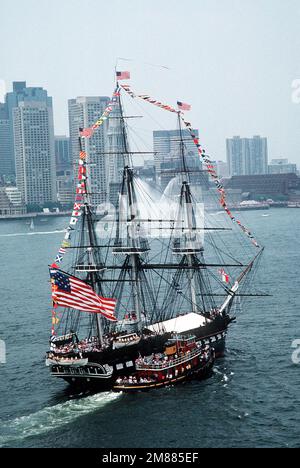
(94,264)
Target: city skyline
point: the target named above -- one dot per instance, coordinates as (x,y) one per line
(67,133)
(29,112)
(234,86)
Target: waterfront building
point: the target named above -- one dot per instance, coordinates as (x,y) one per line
(6,160)
(275,186)
(11,202)
(20,93)
(34,150)
(247,156)
(282,166)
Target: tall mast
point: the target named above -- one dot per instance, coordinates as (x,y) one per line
(133,250)
(92,275)
(186,203)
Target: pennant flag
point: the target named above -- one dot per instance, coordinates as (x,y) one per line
(183,106)
(71,292)
(225,276)
(76,213)
(80,191)
(66,244)
(123,75)
(86,132)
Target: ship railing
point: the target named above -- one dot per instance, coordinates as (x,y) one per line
(167,364)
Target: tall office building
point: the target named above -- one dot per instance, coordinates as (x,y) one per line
(258,155)
(247,156)
(34,146)
(167,155)
(6,160)
(83,113)
(238,157)
(20,93)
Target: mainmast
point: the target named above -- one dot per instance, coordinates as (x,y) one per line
(189,216)
(133,248)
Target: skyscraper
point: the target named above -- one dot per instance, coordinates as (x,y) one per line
(83,113)
(34,146)
(6,160)
(247,156)
(20,93)
(238,157)
(258,155)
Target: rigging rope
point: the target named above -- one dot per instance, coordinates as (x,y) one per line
(209,165)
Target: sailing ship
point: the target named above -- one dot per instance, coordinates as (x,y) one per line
(144,279)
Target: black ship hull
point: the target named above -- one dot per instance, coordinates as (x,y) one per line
(103,368)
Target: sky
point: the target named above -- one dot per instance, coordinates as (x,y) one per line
(233,60)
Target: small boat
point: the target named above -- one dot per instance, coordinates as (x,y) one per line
(50,361)
(126,340)
(184,359)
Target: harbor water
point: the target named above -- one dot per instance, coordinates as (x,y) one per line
(252,399)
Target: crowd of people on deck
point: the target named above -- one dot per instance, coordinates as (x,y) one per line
(63,358)
(88,345)
(128,338)
(133,380)
(91,345)
(157,360)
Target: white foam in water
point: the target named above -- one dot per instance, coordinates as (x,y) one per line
(41,233)
(53,417)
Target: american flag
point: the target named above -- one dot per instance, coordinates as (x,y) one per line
(123,75)
(71,292)
(183,106)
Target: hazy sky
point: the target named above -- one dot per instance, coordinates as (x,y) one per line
(233,60)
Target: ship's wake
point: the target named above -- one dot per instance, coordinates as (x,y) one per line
(51,418)
(38,233)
